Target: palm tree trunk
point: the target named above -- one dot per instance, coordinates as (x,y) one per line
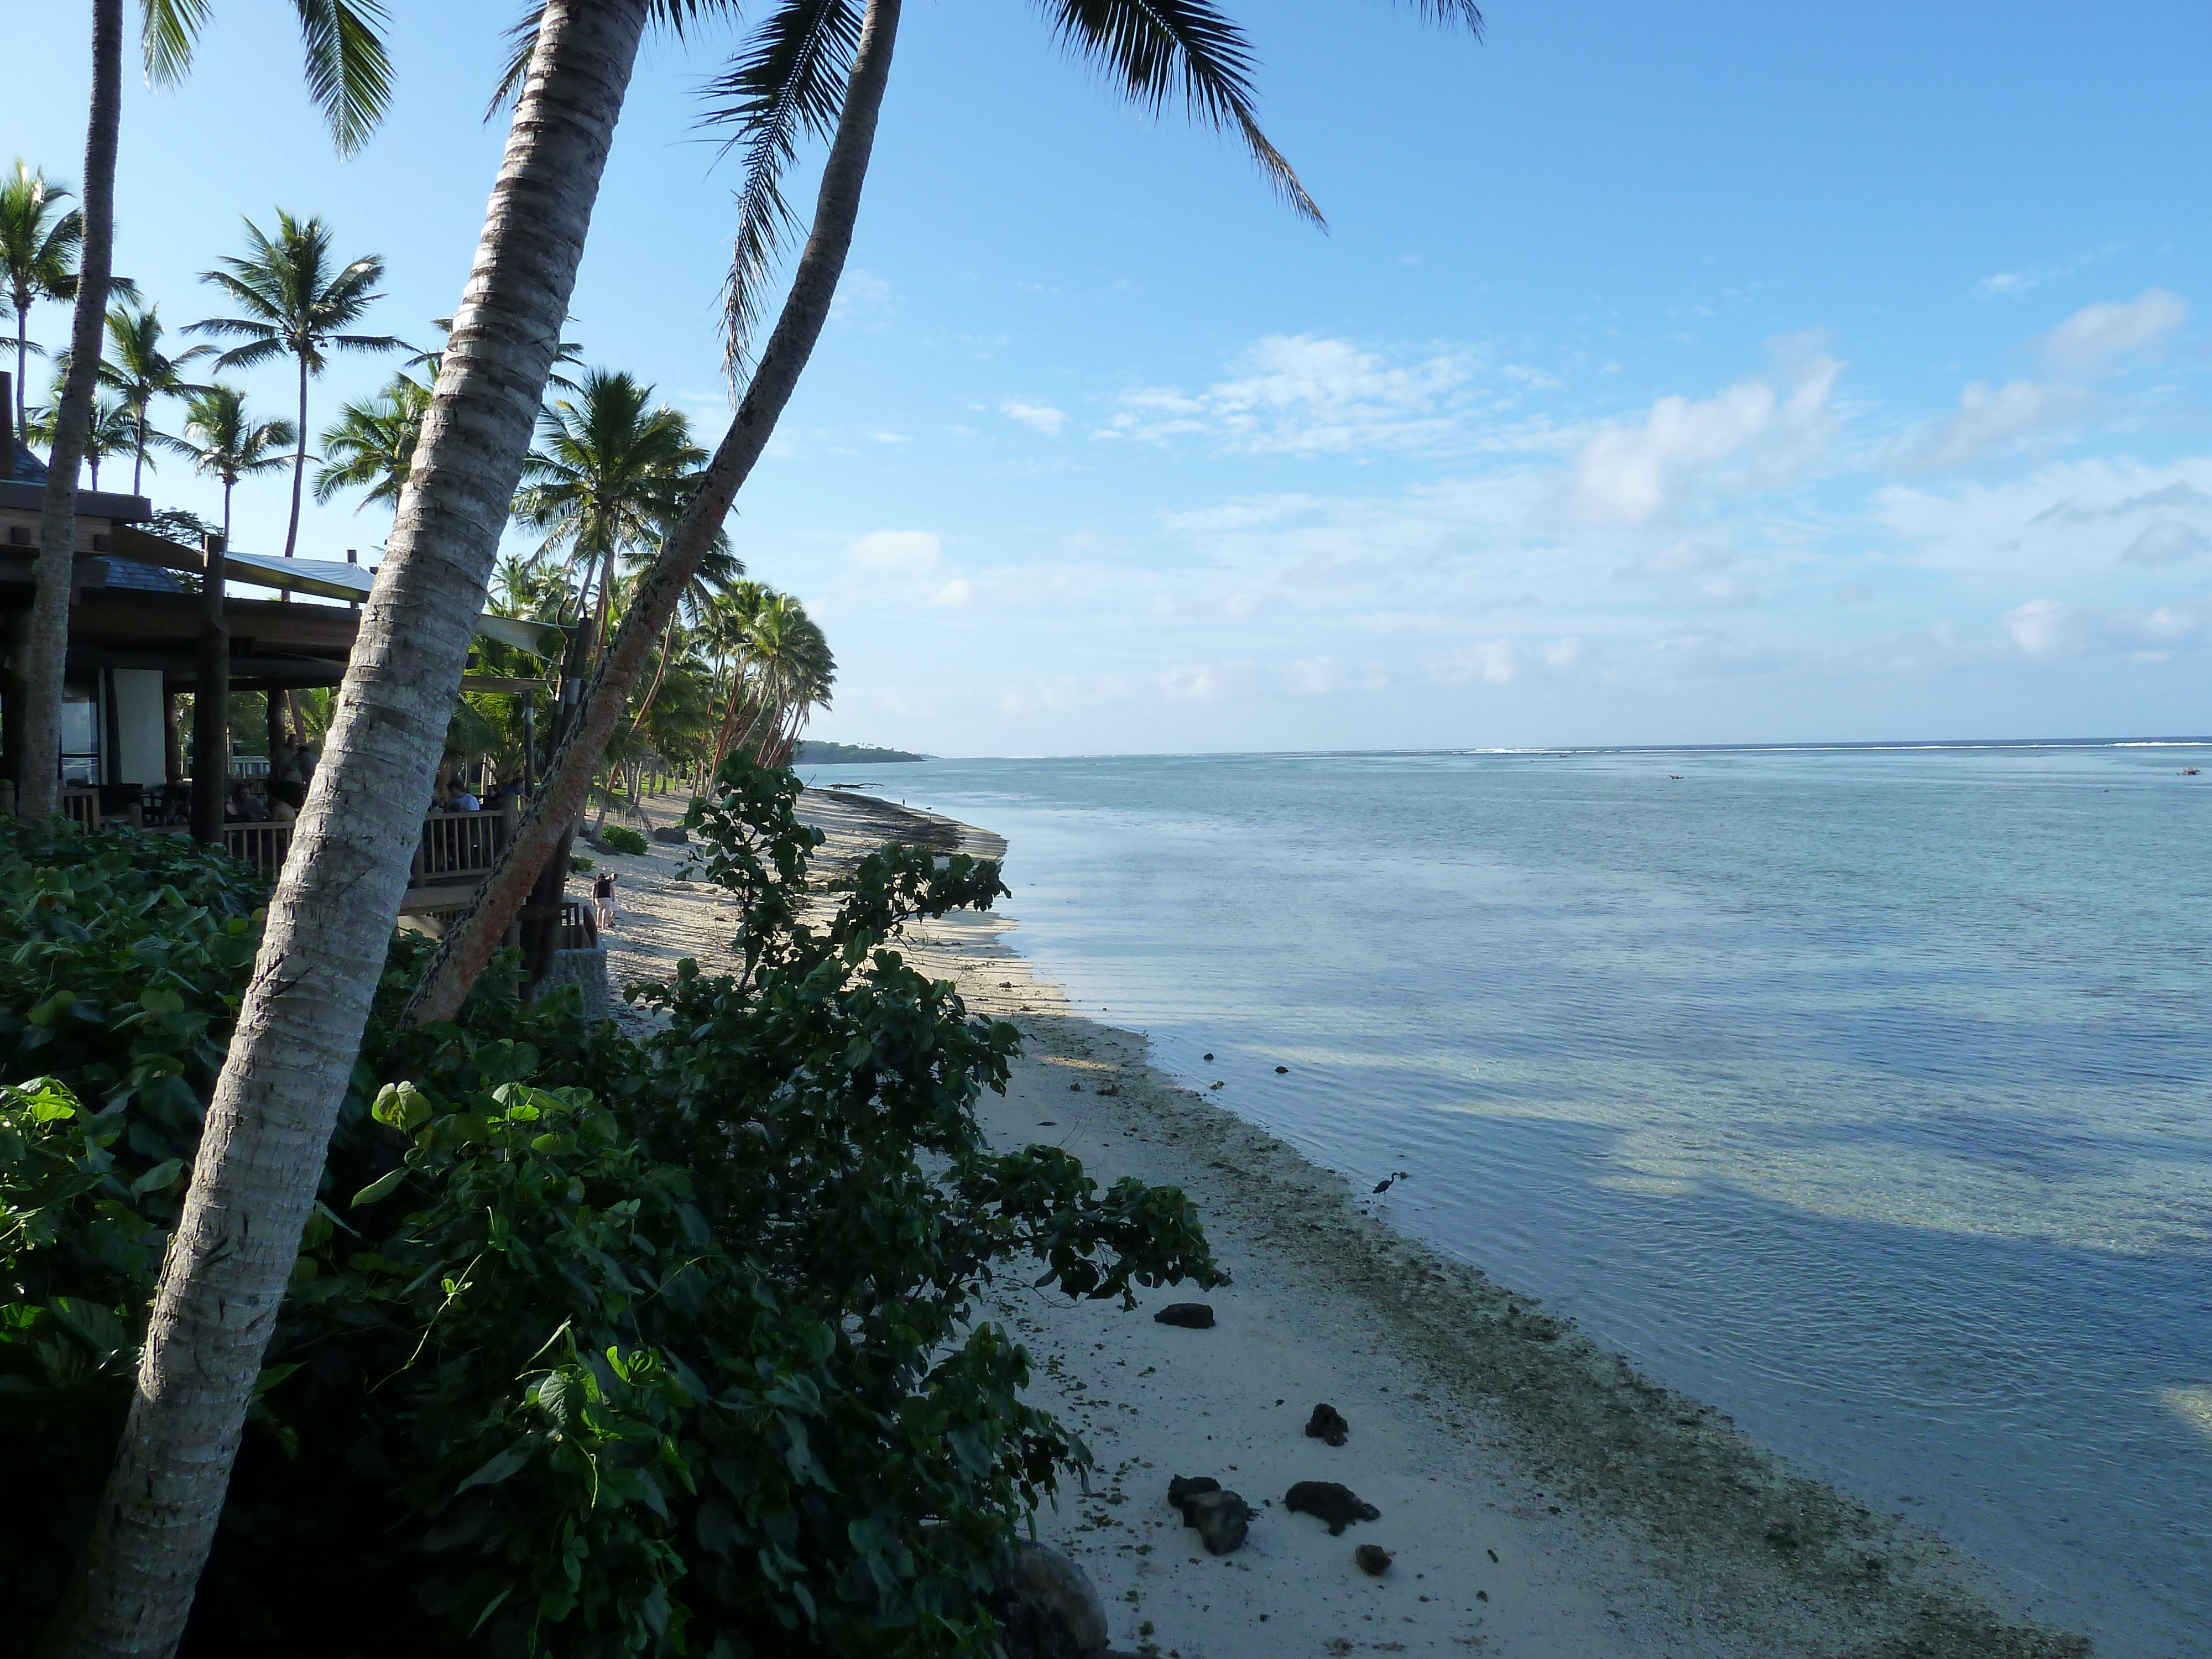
(299,470)
(329,923)
(23,300)
(470,944)
(45,640)
(138,463)
(667,644)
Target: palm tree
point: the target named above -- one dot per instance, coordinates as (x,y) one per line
(298,1029)
(295,306)
(372,444)
(347,75)
(610,470)
(39,246)
(226,445)
(138,369)
(112,431)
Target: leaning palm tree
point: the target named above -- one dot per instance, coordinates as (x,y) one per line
(298,1029)
(372,444)
(137,370)
(610,469)
(38,245)
(226,445)
(296,301)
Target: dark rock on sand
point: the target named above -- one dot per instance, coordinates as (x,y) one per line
(1184,1487)
(1374,1560)
(1047,1607)
(1191,1315)
(672,835)
(1282,1070)
(1221,1519)
(1339,1506)
(1327,1423)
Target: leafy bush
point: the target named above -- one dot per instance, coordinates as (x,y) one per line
(620,838)
(601,1349)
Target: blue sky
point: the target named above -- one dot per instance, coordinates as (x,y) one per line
(1724,372)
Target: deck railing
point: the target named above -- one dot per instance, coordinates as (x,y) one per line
(456,848)
(81,807)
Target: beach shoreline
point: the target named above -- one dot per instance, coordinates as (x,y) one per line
(1539,1497)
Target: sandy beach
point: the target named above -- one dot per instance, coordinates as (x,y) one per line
(1538,1497)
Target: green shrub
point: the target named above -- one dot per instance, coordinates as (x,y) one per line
(620,838)
(601,1349)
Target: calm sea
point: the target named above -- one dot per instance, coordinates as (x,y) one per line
(1864,1092)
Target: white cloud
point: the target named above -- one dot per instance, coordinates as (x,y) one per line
(1494,661)
(1724,593)
(1041,417)
(959,592)
(2060,522)
(2165,542)
(1987,420)
(899,552)
(1562,655)
(1629,473)
(2097,335)
(1678,558)
(1298,394)
(2049,628)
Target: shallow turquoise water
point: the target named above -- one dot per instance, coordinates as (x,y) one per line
(1864,1093)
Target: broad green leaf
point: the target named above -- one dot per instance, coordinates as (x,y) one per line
(382,1187)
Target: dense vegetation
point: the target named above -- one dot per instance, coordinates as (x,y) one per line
(816,752)
(594,1347)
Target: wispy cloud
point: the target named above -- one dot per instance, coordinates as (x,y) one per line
(899,552)
(1300,394)
(1040,417)
(1768,428)
(1989,419)
(2096,338)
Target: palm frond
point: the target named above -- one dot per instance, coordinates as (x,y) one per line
(789,79)
(1154,49)
(349,72)
(168,30)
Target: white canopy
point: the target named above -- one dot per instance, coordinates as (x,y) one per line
(330,580)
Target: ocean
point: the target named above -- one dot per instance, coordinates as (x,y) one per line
(1863,1092)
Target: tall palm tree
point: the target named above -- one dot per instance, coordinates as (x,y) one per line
(610,470)
(818,69)
(138,369)
(349,77)
(298,1029)
(296,301)
(225,444)
(38,245)
(372,444)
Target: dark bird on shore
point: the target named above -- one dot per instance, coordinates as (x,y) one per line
(1389,1181)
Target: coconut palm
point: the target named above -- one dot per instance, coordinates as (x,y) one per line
(112,431)
(39,243)
(349,76)
(138,371)
(372,444)
(226,444)
(610,470)
(297,300)
(298,1029)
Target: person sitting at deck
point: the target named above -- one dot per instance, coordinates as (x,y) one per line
(458,798)
(245,805)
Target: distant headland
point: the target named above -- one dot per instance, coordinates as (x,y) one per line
(813,751)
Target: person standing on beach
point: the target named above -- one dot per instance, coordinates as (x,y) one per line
(603,894)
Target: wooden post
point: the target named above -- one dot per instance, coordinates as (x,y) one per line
(211,704)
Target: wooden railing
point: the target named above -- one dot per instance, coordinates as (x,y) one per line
(456,848)
(261,845)
(81,807)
